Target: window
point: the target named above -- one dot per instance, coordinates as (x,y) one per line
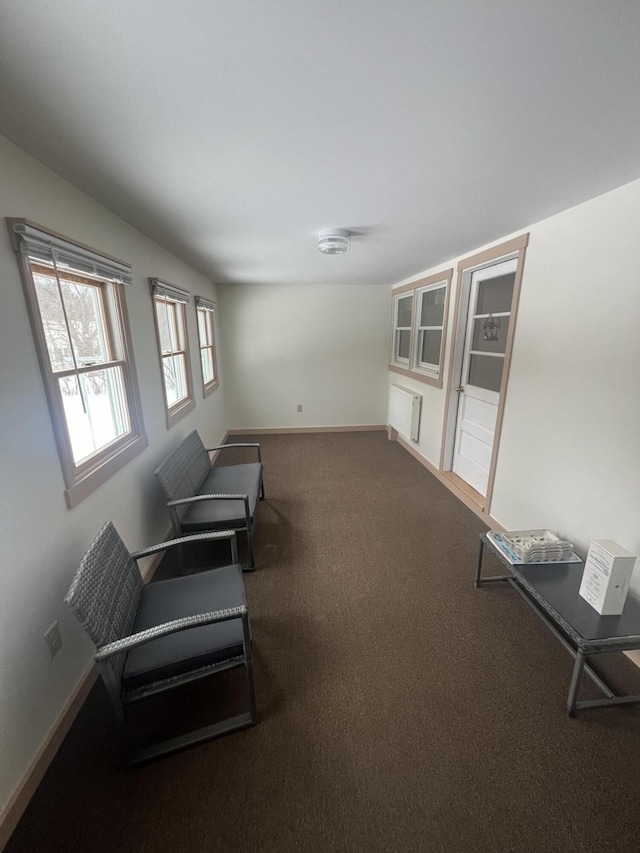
(78,313)
(419,328)
(429,328)
(403,310)
(206,335)
(171,327)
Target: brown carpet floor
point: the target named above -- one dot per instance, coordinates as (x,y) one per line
(400,708)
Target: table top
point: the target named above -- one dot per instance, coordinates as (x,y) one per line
(555,587)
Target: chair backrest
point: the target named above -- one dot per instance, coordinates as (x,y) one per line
(184,471)
(105,592)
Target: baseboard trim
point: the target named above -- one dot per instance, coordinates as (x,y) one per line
(34,774)
(45,755)
(292,430)
(449,483)
(462,486)
(634,656)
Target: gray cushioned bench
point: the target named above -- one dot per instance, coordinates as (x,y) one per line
(205,497)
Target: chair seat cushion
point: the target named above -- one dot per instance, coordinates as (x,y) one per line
(225,515)
(184,651)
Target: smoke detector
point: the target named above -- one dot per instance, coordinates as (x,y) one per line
(333,241)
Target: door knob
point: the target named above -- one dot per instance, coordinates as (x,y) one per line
(460,389)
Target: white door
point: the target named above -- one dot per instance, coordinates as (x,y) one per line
(489,314)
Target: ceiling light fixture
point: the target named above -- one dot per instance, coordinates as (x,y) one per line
(333,241)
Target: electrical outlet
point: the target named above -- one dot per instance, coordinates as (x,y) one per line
(299,407)
(54,639)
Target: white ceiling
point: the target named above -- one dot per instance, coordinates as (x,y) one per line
(232,131)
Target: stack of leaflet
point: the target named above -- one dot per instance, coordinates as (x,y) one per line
(538,546)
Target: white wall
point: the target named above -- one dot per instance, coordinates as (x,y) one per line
(43,541)
(577,344)
(324,346)
(569,456)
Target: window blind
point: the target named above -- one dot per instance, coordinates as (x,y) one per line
(39,245)
(205,304)
(159,288)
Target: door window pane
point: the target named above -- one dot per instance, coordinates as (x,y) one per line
(485,371)
(495,294)
(478,342)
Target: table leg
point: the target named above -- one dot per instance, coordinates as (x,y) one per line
(578,667)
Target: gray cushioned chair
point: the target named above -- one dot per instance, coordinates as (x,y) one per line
(153,637)
(205,497)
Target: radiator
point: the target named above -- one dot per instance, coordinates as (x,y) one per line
(404,411)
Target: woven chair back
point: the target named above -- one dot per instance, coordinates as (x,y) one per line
(105,592)
(184,471)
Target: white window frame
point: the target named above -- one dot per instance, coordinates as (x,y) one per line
(168,297)
(412,367)
(206,310)
(430,369)
(396,358)
(54,255)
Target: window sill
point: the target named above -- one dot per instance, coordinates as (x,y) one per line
(179,412)
(91,481)
(421,377)
(209,389)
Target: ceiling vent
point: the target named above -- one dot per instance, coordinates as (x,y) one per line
(333,241)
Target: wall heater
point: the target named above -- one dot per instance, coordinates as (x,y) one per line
(404,411)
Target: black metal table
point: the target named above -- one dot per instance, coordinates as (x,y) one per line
(552,592)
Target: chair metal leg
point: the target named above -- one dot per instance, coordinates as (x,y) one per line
(113,690)
(231,724)
(166,747)
(234,550)
(252,560)
(248,666)
(251,526)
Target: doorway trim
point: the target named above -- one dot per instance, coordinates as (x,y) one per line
(510,249)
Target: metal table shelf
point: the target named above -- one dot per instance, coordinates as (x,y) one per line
(552,591)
